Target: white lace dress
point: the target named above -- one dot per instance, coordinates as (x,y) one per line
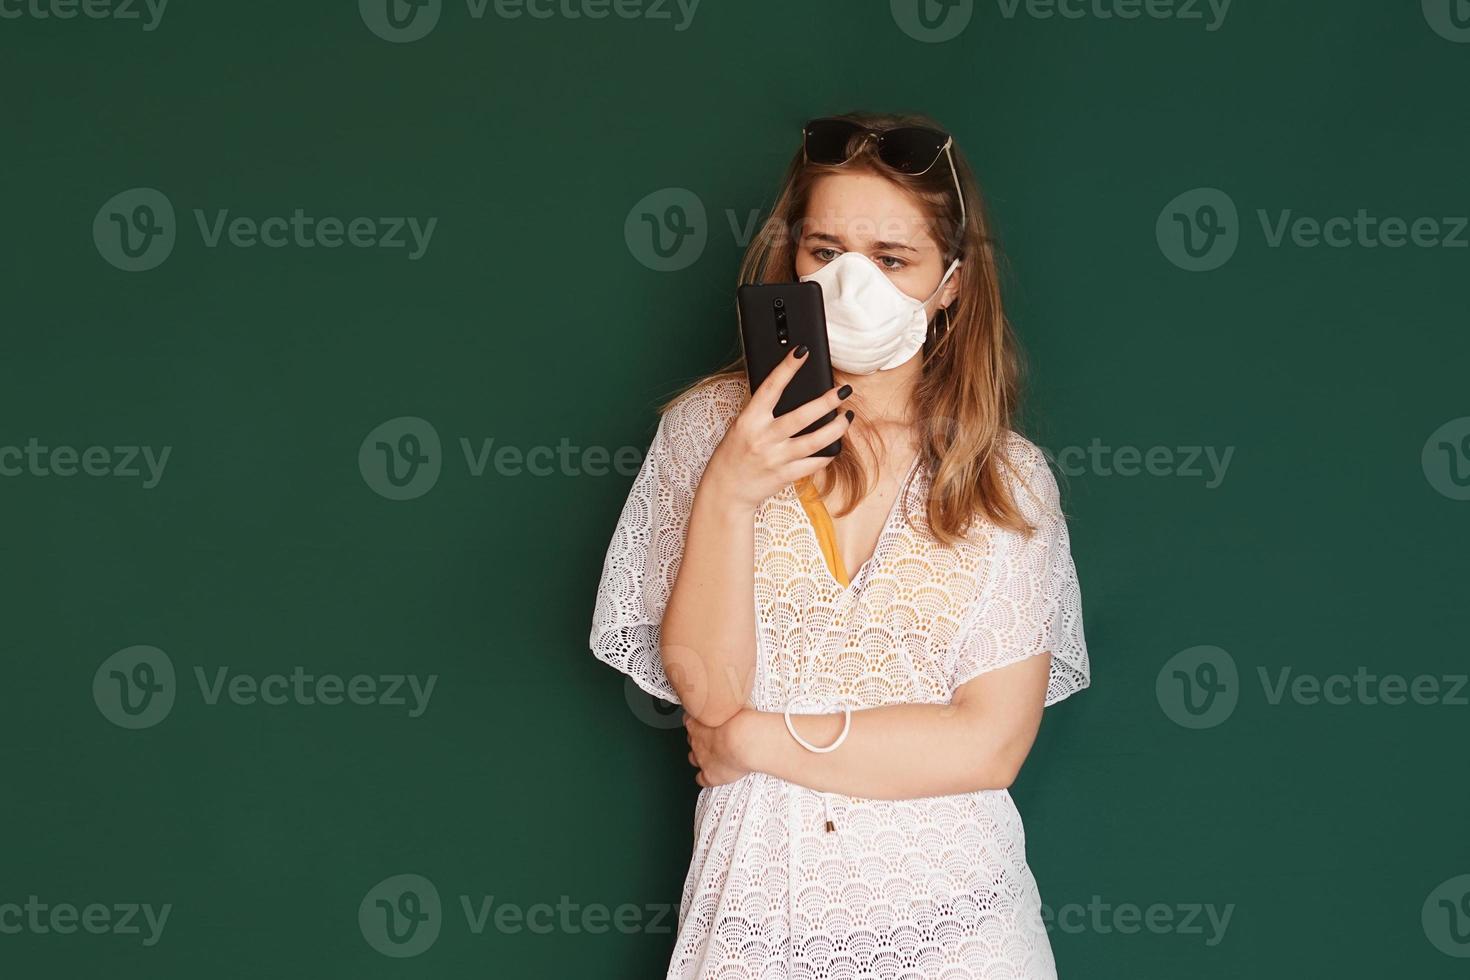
(936,888)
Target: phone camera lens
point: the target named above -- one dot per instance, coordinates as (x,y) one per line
(780,303)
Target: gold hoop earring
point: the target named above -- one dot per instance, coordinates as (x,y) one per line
(938,335)
(935,329)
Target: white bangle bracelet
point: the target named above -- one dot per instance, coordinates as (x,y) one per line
(846,724)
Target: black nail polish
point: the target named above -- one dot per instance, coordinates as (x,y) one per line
(800,351)
(844,391)
(849,415)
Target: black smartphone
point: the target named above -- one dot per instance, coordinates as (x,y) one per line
(774,318)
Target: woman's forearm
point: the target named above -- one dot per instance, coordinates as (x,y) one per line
(896,752)
(707,638)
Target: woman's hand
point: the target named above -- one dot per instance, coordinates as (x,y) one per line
(760,453)
(714,750)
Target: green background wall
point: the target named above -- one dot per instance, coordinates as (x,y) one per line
(1335,543)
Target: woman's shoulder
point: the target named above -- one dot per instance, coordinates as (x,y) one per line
(1030,478)
(706,409)
(1022,454)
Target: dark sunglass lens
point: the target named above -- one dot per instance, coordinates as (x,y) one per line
(911,150)
(827,139)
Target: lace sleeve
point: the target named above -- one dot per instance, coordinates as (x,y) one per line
(1030,602)
(648,542)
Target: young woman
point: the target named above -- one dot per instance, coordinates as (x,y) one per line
(863,645)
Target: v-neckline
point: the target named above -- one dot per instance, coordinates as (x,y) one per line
(854,575)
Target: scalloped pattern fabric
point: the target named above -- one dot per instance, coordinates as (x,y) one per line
(936,888)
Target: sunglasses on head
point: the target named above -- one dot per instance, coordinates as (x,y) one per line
(912,150)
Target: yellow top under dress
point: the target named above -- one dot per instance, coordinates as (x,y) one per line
(816,512)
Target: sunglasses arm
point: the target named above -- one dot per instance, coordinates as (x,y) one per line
(959,191)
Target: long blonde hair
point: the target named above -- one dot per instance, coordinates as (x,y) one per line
(967,397)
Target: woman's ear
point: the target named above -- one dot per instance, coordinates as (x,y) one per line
(952,287)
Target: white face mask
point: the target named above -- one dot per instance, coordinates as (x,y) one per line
(872,325)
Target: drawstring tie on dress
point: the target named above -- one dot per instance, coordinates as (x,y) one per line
(824,706)
(794,796)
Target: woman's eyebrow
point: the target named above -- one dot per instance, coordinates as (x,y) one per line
(821,236)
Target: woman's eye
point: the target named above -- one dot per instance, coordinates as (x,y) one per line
(891,263)
(825,254)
